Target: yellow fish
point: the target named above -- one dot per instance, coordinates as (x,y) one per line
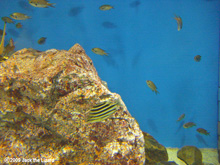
(181,117)
(18,25)
(202,131)
(41,3)
(106,7)
(197,58)
(189,125)
(99,51)
(7,20)
(11,42)
(42,40)
(19,16)
(102,111)
(3,40)
(9,47)
(152,86)
(179,22)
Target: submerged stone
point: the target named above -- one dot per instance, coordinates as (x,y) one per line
(45,99)
(154,152)
(190,155)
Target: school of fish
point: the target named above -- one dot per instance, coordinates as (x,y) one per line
(104,109)
(192,124)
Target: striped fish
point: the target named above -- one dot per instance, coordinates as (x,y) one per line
(102,111)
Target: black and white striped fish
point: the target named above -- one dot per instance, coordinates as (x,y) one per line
(102,111)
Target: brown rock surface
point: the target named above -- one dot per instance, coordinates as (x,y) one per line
(154,152)
(44,103)
(190,155)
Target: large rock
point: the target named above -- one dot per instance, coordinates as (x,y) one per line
(190,155)
(154,151)
(45,99)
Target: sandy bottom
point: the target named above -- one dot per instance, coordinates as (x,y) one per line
(209,156)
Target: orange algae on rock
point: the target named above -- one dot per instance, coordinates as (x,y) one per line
(45,98)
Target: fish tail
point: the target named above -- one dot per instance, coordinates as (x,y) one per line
(52,5)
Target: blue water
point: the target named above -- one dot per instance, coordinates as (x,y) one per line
(143,43)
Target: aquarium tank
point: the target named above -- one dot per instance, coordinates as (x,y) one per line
(161,57)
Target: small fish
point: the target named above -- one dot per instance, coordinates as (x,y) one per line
(1,32)
(102,111)
(41,3)
(19,16)
(7,20)
(197,58)
(181,117)
(18,25)
(99,51)
(42,40)
(3,40)
(152,86)
(202,131)
(179,22)
(9,47)
(106,7)
(189,125)
(11,42)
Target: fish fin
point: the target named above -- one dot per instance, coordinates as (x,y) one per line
(3,39)
(176,17)
(106,54)
(52,5)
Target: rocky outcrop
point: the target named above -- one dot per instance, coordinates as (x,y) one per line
(45,99)
(190,155)
(154,152)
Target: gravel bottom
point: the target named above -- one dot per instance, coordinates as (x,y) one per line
(209,156)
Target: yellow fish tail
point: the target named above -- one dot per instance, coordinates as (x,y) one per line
(3,39)
(52,4)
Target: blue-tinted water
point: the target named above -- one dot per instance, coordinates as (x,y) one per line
(143,43)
